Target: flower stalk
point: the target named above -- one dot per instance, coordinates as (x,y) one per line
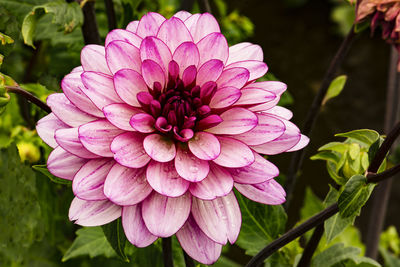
(167,252)
(28,96)
(110,11)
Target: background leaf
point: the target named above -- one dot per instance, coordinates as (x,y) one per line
(335,88)
(116,237)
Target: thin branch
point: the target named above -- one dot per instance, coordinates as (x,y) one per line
(311,246)
(188,260)
(28,96)
(167,252)
(379,177)
(90,29)
(110,11)
(298,156)
(187,5)
(204,6)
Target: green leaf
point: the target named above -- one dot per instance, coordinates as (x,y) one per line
(89,241)
(327,156)
(43,169)
(335,88)
(335,146)
(4,39)
(389,258)
(374,148)
(67,16)
(354,150)
(355,194)
(365,136)
(335,225)
(115,235)
(261,224)
(338,253)
(311,205)
(390,240)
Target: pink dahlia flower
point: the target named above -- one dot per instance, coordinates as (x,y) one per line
(160,124)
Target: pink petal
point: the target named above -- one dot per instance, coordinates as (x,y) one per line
(208,122)
(122,55)
(268,128)
(183,15)
(173,32)
(126,186)
(164,216)
(152,73)
(274,87)
(186,55)
(135,229)
(201,26)
(209,71)
(77,69)
(189,167)
(235,77)
(252,96)
(165,180)
(93,59)
(218,183)
(123,35)
(128,150)
(63,164)
(149,24)
(156,50)
(219,219)
(46,128)
(256,68)
(213,46)
(97,136)
(88,182)
(234,154)
(72,87)
(196,244)
(159,148)
(100,89)
(235,121)
(269,192)
(143,122)
(204,146)
(304,140)
(259,171)
(281,112)
(93,213)
(68,139)
(66,111)
(120,114)
(132,26)
(189,75)
(225,97)
(128,83)
(245,51)
(285,142)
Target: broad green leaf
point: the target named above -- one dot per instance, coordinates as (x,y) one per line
(311,205)
(115,235)
(331,168)
(21,216)
(335,146)
(374,148)
(335,225)
(66,15)
(354,150)
(338,253)
(365,136)
(261,224)
(90,241)
(389,258)
(390,240)
(327,156)
(355,194)
(43,169)
(335,88)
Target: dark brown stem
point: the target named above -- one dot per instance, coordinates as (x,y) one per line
(187,5)
(311,246)
(167,252)
(204,6)
(379,177)
(28,96)
(90,30)
(110,11)
(298,156)
(188,260)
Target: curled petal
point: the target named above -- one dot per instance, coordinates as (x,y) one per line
(164,216)
(269,192)
(205,146)
(120,114)
(148,24)
(245,51)
(253,96)
(225,97)
(159,148)
(88,182)
(63,164)
(93,59)
(219,219)
(304,140)
(128,150)
(126,186)
(153,73)
(143,122)
(234,154)
(132,26)
(68,139)
(183,15)
(173,32)
(235,121)
(281,112)
(165,180)
(93,213)
(190,167)
(209,71)
(197,244)
(46,128)
(200,25)
(186,55)
(128,83)
(135,229)
(218,183)
(256,68)
(234,77)
(213,46)
(123,35)
(156,50)
(122,55)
